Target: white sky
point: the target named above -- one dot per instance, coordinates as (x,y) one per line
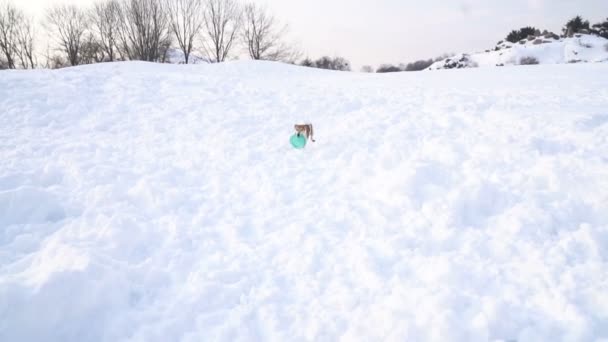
(397,31)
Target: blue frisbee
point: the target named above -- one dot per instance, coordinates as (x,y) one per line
(298,141)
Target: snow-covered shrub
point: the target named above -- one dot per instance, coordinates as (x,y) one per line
(550,35)
(459,62)
(528,60)
(606,47)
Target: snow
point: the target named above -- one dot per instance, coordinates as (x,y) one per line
(581,48)
(146,202)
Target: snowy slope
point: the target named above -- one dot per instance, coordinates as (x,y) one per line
(579,49)
(144,202)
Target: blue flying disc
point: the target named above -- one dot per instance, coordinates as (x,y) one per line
(298,141)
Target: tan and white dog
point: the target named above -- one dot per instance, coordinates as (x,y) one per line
(305,129)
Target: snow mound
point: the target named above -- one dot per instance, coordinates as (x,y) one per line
(28,205)
(148,202)
(581,48)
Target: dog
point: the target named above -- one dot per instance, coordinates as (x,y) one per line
(305,129)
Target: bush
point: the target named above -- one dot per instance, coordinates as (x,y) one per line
(307,62)
(606,47)
(325,62)
(336,63)
(384,68)
(601,29)
(528,61)
(425,63)
(419,65)
(551,35)
(522,33)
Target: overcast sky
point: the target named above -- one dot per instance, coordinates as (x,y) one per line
(396,31)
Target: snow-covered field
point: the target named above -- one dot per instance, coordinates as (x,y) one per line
(143,202)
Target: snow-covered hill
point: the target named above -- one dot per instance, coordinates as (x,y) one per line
(146,202)
(540,50)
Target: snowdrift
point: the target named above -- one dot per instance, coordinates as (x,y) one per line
(145,202)
(581,48)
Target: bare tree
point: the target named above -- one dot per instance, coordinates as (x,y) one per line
(9,24)
(91,50)
(222,20)
(25,41)
(53,60)
(16,37)
(186,22)
(69,23)
(144,33)
(105,23)
(263,36)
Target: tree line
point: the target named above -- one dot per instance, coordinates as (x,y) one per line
(576,25)
(146,30)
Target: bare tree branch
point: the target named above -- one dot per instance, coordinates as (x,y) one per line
(69,23)
(105,23)
(25,40)
(222,20)
(10,18)
(143,33)
(92,50)
(263,36)
(186,22)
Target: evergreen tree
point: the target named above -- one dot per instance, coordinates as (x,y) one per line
(522,33)
(575,25)
(601,29)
